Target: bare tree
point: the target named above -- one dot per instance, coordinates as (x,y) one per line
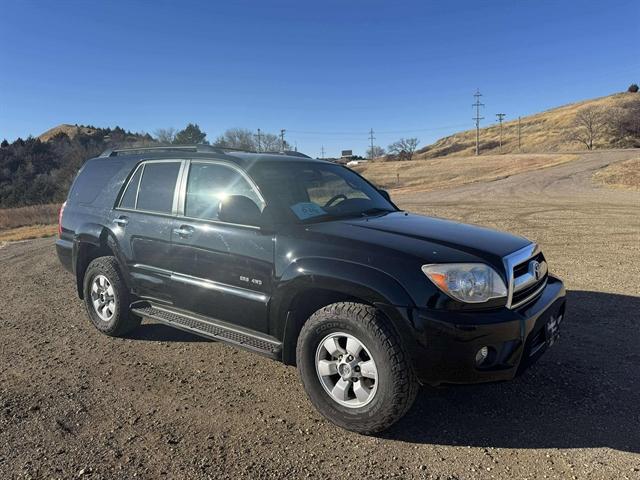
(165,135)
(588,125)
(404,148)
(375,152)
(240,138)
(271,143)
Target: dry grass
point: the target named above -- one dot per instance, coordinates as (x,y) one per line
(625,175)
(70,130)
(547,131)
(448,172)
(26,233)
(25,216)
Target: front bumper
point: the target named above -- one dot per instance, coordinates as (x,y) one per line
(446,342)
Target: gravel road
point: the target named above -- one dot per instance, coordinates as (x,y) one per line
(166,404)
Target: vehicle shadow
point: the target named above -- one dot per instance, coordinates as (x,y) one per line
(583,392)
(158,332)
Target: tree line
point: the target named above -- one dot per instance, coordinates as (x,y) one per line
(34,172)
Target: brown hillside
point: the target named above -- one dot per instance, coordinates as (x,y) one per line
(70,130)
(548,131)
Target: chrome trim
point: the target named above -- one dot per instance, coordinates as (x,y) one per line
(533,295)
(219,287)
(153,269)
(175,207)
(203,283)
(529,278)
(513,259)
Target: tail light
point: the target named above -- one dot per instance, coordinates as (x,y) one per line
(60,219)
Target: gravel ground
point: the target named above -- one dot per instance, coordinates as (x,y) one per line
(166,404)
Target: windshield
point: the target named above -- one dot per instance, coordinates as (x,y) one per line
(311,192)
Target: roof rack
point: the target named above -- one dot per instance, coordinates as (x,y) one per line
(167,148)
(200,148)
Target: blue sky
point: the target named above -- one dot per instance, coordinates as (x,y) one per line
(325,71)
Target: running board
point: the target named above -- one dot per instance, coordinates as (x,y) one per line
(212,329)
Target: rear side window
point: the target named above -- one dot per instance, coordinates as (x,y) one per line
(92,180)
(152,187)
(129,197)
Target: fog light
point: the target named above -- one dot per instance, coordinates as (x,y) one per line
(482,355)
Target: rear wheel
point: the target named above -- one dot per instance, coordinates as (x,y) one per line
(106,297)
(354,369)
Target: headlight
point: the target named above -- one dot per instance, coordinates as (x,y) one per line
(467,282)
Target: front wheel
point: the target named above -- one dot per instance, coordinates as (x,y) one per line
(354,369)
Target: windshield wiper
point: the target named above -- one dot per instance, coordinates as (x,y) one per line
(375,211)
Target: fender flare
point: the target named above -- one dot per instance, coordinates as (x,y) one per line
(98,236)
(360,282)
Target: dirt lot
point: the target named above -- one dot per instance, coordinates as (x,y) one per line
(165,404)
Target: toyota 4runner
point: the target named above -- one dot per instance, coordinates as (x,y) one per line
(308,263)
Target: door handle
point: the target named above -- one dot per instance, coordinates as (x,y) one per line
(184,231)
(122,221)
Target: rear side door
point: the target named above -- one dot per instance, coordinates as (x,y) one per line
(220,270)
(143,221)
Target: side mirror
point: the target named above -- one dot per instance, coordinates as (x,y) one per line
(239,209)
(385,194)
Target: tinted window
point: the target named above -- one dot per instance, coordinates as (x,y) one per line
(129,197)
(312,191)
(209,184)
(93,178)
(157,186)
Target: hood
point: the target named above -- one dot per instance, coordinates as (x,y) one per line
(433,239)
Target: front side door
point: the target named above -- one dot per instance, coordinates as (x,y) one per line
(220,270)
(143,221)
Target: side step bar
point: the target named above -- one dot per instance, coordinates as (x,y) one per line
(212,329)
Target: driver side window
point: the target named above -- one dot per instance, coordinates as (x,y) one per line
(211,183)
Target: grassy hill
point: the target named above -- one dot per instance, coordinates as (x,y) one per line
(70,131)
(548,131)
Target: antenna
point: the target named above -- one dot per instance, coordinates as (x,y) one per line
(477,118)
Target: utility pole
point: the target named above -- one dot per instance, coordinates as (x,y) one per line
(259,140)
(371,138)
(519,136)
(282,139)
(477,118)
(322,152)
(500,117)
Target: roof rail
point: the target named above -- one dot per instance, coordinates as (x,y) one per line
(167,148)
(200,148)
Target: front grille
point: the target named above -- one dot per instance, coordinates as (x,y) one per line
(529,293)
(523,268)
(525,287)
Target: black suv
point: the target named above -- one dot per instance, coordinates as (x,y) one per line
(306,262)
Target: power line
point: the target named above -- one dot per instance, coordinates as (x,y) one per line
(477,118)
(500,117)
(379,132)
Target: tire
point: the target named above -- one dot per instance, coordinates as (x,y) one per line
(386,396)
(111,314)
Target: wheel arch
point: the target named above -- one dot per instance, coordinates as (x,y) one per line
(316,284)
(90,242)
